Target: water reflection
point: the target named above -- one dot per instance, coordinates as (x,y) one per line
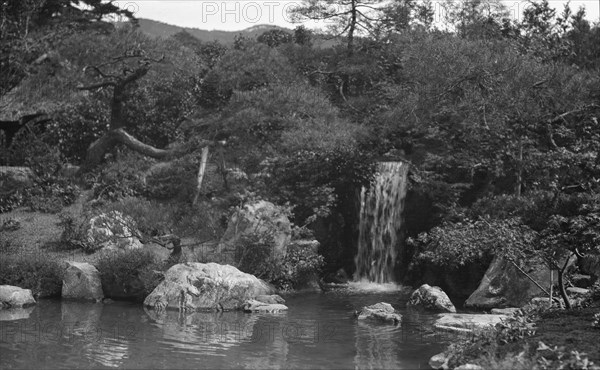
(318,331)
(12,314)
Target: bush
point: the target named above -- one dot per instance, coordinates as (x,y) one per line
(255,256)
(119,179)
(36,272)
(74,233)
(136,272)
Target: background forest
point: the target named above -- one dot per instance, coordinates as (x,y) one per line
(498,120)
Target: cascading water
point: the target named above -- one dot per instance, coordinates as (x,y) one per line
(381,207)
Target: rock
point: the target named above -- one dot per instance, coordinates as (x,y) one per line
(439,361)
(253,305)
(580,292)
(505,286)
(81,281)
(582,281)
(466,323)
(505,311)
(15,178)
(270,299)
(113,231)
(469,367)
(431,298)
(381,312)
(199,286)
(541,301)
(259,217)
(14,297)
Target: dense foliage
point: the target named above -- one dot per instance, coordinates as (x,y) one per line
(497,117)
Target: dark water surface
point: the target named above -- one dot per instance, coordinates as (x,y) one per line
(318,331)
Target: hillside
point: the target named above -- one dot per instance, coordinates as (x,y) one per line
(159,29)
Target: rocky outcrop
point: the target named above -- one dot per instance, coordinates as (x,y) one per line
(590,265)
(15,297)
(261,218)
(380,312)
(505,286)
(431,299)
(253,305)
(81,281)
(198,286)
(466,323)
(113,230)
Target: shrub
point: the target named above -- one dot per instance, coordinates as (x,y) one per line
(119,179)
(255,256)
(52,195)
(36,272)
(124,269)
(74,233)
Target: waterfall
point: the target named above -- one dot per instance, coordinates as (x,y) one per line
(381,207)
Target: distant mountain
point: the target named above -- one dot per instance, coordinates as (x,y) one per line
(159,29)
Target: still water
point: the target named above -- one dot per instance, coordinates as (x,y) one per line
(318,331)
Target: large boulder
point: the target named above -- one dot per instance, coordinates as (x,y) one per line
(590,265)
(503,285)
(466,323)
(14,297)
(379,312)
(260,217)
(431,298)
(198,286)
(113,230)
(81,281)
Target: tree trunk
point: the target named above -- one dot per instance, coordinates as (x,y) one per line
(561,284)
(519,169)
(96,151)
(352,28)
(201,174)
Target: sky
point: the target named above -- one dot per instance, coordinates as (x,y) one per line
(235,15)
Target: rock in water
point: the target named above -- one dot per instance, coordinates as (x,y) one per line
(466,323)
(270,299)
(259,217)
(439,361)
(380,311)
(13,297)
(503,285)
(82,281)
(253,305)
(113,230)
(206,286)
(431,298)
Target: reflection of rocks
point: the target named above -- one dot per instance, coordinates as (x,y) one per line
(466,323)
(431,298)
(253,305)
(15,313)
(13,296)
(198,286)
(82,281)
(376,347)
(380,312)
(505,286)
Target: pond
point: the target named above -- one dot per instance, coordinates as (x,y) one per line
(318,331)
